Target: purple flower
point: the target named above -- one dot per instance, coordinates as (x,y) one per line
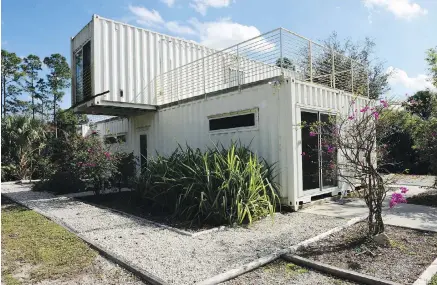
(351,117)
(331,148)
(313,134)
(384,103)
(364,109)
(396,198)
(376,115)
(404,190)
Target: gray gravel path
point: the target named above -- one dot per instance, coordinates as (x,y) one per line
(176,258)
(279,273)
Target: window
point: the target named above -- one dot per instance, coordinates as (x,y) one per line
(232,121)
(115,139)
(83,73)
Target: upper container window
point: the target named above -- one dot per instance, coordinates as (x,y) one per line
(83,73)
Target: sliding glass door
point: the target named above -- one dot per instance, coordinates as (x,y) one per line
(319,158)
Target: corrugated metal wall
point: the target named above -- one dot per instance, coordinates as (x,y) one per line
(276,136)
(112,127)
(128,58)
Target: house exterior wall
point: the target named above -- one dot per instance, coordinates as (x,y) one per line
(276,135)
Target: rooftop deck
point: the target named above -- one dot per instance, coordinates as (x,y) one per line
(266,56)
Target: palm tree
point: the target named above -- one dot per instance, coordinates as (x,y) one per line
(22,139)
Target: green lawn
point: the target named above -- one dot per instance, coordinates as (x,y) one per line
(433,280)
(35,248)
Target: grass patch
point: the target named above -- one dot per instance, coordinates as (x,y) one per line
(433,280)
(293,268)
(47,250)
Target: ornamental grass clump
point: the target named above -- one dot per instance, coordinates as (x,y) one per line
(215,187)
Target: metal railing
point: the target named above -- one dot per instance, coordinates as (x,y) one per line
(271,54)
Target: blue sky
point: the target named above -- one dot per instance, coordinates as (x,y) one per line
(402,29)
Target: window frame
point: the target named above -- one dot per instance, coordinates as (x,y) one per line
(255,127)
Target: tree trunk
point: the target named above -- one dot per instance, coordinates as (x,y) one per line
(54,116)
(4,95)
(33,103)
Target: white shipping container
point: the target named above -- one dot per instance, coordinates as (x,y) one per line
(123,60)
(275,136)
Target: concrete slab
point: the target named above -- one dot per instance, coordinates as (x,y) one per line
(404,215)
(412,216)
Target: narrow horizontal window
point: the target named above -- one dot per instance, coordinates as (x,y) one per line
(232,122)
(110,140)
(121,138)
(117,139)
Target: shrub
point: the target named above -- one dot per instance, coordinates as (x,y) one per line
(218,186)
(61,183)
(126,164)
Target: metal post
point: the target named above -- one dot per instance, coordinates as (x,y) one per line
(311,61)
(177,85)
(333,68)
(238,68)
(352,75)
(280,50)
(203,71)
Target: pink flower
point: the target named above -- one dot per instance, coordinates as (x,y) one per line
(376,115)
(396,198)
(404,190)
(313,134)
(79,163)
(384,103)
(331,149)
(364,109)
(351,117)
(303,153)
(89,150)
(332,166)
(107,154)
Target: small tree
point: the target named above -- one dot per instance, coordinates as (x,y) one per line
(58,79)
(422,104)
(10,76)
(353,136)
(31,67)
(431,59)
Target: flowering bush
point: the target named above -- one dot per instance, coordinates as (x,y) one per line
(92,161)
(350,152)
(398,198)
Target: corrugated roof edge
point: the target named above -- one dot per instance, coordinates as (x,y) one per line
(161,34)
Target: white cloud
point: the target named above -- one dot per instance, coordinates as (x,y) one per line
(223,33)
(169,3)
(218,34)
(146,17)
(400,78)
(404,9)
(176,28)
(202,6)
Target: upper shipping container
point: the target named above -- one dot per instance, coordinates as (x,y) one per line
(121,60)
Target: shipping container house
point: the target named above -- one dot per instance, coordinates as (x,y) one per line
(257,92)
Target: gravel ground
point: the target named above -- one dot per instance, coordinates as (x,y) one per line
(176,258)
(284,273)
(410,253)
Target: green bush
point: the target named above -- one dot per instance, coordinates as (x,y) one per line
(61,183)
(126,164)
(218,186)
